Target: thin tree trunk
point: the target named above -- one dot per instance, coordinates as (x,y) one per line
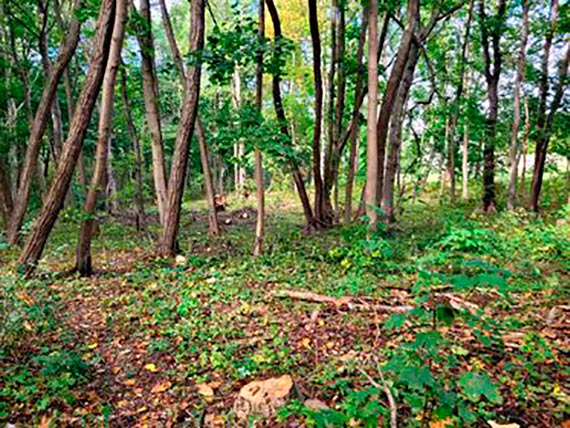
(179,165)
(83,254)
(320,208)
(545,133)
(54,201)
(519,80)
(37,129)
(258,161)
(524,147)
(354,127)
(214,226)
(280,113)
(465,162)
(150,96)
(392,90)
(137,170)
(398,116)
(491,31)
(213,223)
(372,161)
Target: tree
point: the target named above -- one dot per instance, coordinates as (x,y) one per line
(83,254)
(188,115)
(54,199)
(258,160)
(492,29)
(37,129)
(372,160)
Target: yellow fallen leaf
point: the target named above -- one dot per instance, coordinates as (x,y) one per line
(321,323)
(28,326)
(123,403)
(151,367)
(306,342)
(205,390)
(496,425)
(93,345)
(130,382)
(161,387)
(142,409)
(441,423)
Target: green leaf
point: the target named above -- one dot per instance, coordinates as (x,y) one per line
(476,385)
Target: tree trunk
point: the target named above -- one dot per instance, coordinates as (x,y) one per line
(372,161)
(280,113)
(214,226)
(137,170)
(524,146)
(258,161)
(491,31)
(398,116)
(150,95)
(457,104)
(545,132)
(37,129)
(72,147)
(392,90)
(320,208)
(519,80)
(465,162)
(83,254)
(354,126)
(179,165)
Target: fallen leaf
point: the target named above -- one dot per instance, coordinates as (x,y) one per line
(205,390)
(494,424)
(441,423)
(44,422)
(315,404)
(93,345)
(130,382)
(151,367)
(161,387)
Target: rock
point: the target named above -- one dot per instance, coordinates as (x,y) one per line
(262,398)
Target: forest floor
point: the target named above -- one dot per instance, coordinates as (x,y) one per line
(144,343)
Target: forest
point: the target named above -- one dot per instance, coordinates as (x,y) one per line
(285,213)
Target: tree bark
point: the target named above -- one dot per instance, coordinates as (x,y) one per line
(37,129)
(280,113)
(320,208)
(137,170)
(258,160)
(54,200)
(398,116)
(524,147)
(519,80)
(354,126)
(392,90)
(83,262)
(545,131)
(179,165)
(214,226)
(491,31)
(465,162)
(150,96)
(372,161)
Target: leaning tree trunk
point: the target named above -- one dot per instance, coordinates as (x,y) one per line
(214,226)
(179,165)
(83,254)
(29,167)
(545,133)
(354,126)
(150,96)
(398,116)
(392,90)
(320,209)
(137,170)
(280,113)
(213,223)
(519,80)
(258,160)
(72,147)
